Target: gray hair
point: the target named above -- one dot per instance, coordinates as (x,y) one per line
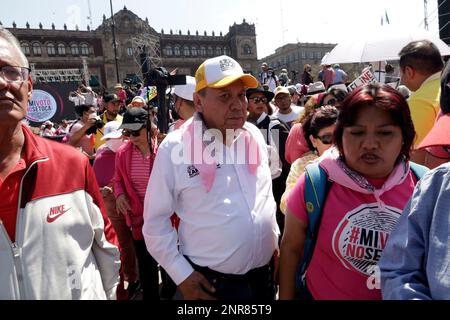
(8,36)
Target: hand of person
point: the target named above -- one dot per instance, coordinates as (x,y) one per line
(89,123)
(161,137)
(106,191)
(276,265)
(196,287)
(122,204)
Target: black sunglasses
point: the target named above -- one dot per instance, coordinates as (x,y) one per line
(332,102)
(326,139)
(259,100)
(134,133)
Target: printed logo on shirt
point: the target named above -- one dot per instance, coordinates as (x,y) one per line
(56,212)
(192,171)
(361,236)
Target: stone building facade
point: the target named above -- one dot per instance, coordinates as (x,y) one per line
(75,55)
(294,56)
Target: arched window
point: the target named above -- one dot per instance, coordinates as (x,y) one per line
(51,50)
(176,50)
(84,49)
(210,51)
(61,49)
(168,51)
(247,49)
(202,51)
(25,48)
(226,51)
(37,49)
(194,51)
(186,51)
(218,51)
(74,49)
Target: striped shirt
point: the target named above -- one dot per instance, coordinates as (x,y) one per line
(140,172)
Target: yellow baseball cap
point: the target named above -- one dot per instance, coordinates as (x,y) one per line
(220,72)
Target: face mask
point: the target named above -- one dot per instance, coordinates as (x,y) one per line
(114,144)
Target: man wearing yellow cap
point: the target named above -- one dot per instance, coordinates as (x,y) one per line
(214,173)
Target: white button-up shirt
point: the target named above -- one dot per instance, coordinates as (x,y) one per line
(231,229)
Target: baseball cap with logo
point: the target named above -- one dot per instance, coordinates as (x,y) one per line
(220,72)
(186,91)
(134,119)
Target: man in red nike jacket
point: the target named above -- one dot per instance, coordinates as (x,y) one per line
(56,241)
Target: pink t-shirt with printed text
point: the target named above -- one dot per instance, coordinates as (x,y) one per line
(353,232)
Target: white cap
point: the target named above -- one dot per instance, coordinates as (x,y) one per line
(186,91)
(340,86)
(281,89)
(111,130)
(138,101)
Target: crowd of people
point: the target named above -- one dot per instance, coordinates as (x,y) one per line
(261,189)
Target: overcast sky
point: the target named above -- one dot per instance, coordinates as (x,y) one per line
(277,21)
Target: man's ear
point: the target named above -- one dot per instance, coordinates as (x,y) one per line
(198,102)
(30,88)
(313,140)
(410,72)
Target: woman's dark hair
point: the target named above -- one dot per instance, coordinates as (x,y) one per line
(80,109)
(382,97)
(311,104)
(317,120)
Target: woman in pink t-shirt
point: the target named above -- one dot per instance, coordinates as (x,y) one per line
(372,182)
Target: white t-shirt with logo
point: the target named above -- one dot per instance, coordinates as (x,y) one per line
(292,116)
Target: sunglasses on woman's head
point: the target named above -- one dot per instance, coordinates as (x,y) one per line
(326,138)
(134,133)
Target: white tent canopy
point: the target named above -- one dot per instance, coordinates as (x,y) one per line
(380,44)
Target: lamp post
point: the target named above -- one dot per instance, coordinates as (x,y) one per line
(114,42)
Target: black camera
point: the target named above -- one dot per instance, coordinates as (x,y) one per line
(160,77)
(97,125)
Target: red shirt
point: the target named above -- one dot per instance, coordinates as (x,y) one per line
(9,193)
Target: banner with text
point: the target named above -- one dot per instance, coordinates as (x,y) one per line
(366,77)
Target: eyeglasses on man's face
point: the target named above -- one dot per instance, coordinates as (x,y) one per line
(259,100)
(326,138)
(134,133)
(14,74)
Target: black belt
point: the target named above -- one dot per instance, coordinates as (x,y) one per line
(257,273)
